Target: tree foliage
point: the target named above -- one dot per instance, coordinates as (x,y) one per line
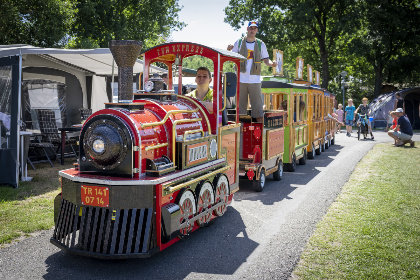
(42,23)
(388,41)
(86,23)
(98,22)
(312,29)
(195,61)
(374,41)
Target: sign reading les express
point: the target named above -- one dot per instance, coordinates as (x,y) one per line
(179,48)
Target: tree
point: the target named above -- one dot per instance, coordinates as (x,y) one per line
(313,29)
(42,23)
(98,22)
(388,40)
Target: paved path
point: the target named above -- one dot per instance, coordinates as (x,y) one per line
(260,237)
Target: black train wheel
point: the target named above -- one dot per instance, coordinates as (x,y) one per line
(260,183)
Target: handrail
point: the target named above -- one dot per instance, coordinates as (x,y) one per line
(148,148)
(192,132)
(205,176)
(174,133)
(167,116)
(224,89)
(201,109)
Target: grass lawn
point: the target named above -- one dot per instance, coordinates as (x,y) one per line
(29,208)
(372,230)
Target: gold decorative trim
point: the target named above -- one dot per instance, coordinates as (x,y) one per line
(167,116)
(180,186)
(174,132)
(198,107)
(148,148)
(192,132)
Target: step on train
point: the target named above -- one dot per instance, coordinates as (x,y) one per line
(158,165)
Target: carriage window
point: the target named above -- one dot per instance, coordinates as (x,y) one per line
(302,108)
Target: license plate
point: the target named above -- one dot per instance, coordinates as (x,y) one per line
(95,196)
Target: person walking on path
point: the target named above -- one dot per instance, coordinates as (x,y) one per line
(349,116)
(403,132)
(399,102)
(340,114)
(250,82)
(364,110)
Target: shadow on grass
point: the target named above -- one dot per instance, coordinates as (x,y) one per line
(44,180)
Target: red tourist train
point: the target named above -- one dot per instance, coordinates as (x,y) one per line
(158,165)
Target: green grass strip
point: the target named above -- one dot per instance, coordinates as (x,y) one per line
(372,230)
(29,208)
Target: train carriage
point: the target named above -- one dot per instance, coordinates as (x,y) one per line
(291,98)
(153,167)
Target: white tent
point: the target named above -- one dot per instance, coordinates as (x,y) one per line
(83,71)
(96,63)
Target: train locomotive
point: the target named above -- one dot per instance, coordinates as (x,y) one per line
(158,165)
(153,167)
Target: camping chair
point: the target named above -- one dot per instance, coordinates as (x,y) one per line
(85,113)
(37,144)
(49,130)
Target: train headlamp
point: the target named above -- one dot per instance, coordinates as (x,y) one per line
(98,146)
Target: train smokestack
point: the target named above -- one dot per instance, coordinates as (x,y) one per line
(125,53)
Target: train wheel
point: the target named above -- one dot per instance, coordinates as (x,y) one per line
(311,155)
(318,151)
(327,143)
(221,193)
(278,174)
(292,166)
(302,160)
(260,183)
(205,199)
(323,146)
(187,209)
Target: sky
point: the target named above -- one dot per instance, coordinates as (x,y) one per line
(205,24)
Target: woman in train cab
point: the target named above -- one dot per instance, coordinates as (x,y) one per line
(203,92)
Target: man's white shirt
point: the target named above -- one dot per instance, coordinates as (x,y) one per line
(246,77)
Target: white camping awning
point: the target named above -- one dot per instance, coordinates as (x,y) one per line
(95,61)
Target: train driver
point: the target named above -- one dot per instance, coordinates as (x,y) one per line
(203,92)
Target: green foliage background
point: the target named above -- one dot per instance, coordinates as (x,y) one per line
(374,41)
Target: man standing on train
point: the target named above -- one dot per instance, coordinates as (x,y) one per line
(250,82)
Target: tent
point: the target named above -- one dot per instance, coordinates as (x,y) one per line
(384,103)
(86,73)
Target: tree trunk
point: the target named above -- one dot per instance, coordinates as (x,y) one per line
(324,60)
(325,70)
(379,77)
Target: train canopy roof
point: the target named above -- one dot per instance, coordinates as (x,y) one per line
(168,52)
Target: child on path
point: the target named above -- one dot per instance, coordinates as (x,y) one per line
(389,121)
(364,110)
(349,116)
